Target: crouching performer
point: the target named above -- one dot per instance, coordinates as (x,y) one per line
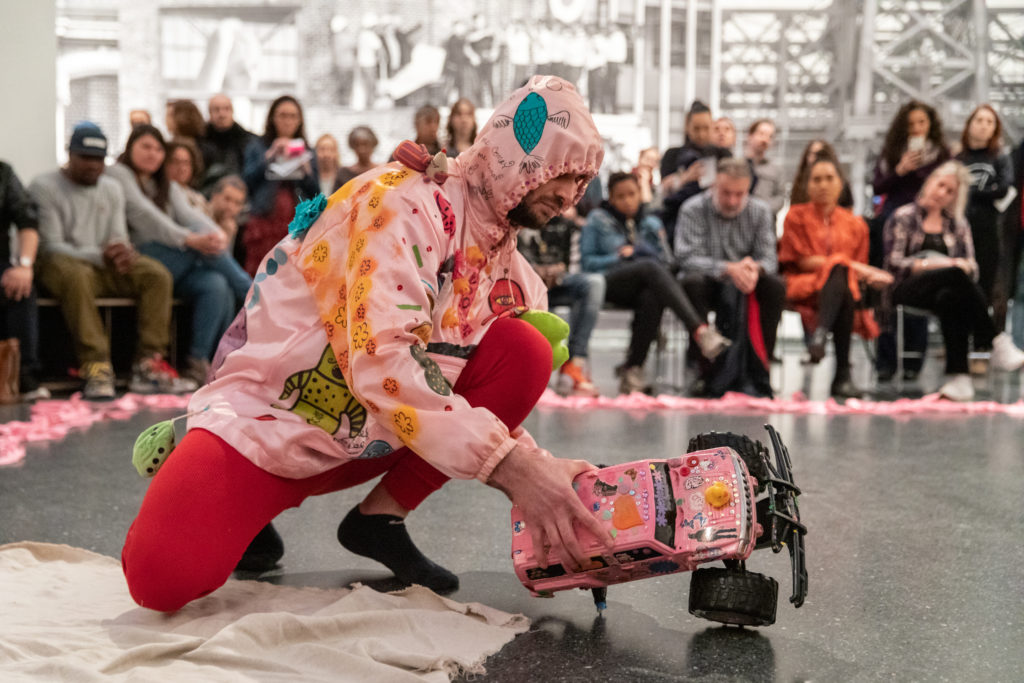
(382,337)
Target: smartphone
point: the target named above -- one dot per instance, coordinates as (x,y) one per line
(916,143)
(710,166)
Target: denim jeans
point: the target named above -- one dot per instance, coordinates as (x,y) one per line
(214,286)
(584,294)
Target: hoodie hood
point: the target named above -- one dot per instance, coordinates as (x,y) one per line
(541,132)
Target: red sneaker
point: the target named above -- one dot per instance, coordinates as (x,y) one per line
(572,371)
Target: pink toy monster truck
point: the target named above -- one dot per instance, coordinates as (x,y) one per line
(719,502)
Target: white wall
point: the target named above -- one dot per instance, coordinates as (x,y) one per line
(28,71)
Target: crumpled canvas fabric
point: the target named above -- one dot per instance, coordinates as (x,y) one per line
(67,616)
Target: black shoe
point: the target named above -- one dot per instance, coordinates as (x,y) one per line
(384,538)
(263,552)
(816,346)
(844,389)
(699,388)
(886,374)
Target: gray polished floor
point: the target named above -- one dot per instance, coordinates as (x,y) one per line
(915,550)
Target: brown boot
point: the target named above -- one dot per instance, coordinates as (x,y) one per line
(10,365)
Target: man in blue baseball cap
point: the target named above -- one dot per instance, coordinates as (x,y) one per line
(85,253)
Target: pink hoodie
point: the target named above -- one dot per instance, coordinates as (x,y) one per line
(353,334)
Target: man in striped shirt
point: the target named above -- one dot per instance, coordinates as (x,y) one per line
(725,248)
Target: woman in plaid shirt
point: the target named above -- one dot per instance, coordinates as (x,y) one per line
(929,251)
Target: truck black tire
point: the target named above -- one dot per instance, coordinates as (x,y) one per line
(733,596)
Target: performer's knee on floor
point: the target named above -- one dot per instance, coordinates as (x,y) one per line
(160,582)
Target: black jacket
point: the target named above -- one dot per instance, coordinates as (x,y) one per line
(16,208)
(223,152)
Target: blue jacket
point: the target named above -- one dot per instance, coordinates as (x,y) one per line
(262,190)
(605,231)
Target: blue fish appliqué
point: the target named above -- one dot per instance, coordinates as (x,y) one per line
(528,127)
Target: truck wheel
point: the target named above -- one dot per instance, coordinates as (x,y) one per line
(754,455)
(733,596)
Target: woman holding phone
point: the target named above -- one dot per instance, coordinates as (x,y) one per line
(273,196)
(914,147)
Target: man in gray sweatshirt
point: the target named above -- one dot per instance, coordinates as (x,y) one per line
(85,254)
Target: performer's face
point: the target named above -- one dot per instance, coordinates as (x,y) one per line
(542,204)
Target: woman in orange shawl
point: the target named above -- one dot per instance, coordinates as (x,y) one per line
(823,253)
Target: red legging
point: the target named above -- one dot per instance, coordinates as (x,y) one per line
(208,501)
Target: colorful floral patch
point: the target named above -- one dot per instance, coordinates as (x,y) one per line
(360,335)
(406,423)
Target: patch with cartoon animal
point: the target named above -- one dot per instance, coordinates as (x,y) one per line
(324,396)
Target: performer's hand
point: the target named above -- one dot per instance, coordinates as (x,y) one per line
(541,485)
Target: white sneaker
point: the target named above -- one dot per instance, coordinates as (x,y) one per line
(710,341)
(958,388)
(1005,356)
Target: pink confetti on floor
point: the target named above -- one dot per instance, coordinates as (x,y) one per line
(52,420)
(931,404)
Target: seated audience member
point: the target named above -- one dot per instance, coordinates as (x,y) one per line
(549,251)
(723,133)
(991,178)
(137,116)
(184,167)
(19,317)
(226,203)
(626,243)
(768,183)
(362,141)
(85,254)
(461,127)
(185,240)
(725,249)
(223,143)
(646,171)
(914,147)
(930,253)
(690,174)
(328,163)
(814,150)
(184,120)
(273,196)
(823,253)
(427,122)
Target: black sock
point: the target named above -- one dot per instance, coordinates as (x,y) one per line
(384,538)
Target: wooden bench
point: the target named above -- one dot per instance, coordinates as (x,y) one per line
(107,307)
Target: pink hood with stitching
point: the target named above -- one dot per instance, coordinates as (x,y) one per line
(541,132)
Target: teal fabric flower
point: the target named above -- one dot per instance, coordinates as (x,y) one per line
(306,214)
